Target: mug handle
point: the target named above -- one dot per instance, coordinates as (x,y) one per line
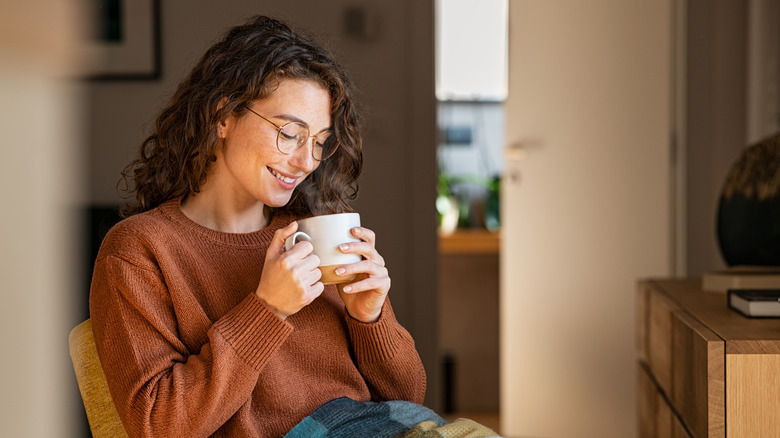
(292,240)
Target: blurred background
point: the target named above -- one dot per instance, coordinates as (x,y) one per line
(526,162)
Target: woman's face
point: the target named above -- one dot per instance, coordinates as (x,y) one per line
(249,166)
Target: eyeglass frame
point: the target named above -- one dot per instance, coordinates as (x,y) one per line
(279,132)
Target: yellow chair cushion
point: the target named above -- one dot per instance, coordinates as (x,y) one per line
(101,413)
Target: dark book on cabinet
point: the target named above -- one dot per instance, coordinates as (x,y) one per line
(755,303)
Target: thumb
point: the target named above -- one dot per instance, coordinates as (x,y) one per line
(277,243)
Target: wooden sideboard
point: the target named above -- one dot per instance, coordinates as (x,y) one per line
(469,291)
(469,242)
(704,370)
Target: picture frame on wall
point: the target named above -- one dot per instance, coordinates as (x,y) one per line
(125,42)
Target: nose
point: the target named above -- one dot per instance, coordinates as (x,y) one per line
(303,157)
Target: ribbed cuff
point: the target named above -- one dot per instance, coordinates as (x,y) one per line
(379,340)
(253,330)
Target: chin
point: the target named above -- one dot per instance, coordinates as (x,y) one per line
(277,203)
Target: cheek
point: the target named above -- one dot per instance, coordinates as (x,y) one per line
(247,153)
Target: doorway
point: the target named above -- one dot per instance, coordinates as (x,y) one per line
(471,43)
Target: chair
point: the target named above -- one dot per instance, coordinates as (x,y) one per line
(101,413)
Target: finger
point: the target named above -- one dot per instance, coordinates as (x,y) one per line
(365,249)
(276,246)
(368,283)
(309,275)
(316,289)
(365,234)
(301,250)
(363,267)
(299,259)
(311,262)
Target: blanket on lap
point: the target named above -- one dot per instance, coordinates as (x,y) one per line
(346,418)
(460,428)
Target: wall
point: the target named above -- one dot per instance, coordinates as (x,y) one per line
(40,188)
(728,107)
(763,69)
(393,70)
(716,119)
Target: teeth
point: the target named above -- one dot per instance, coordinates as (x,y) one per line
(283,178)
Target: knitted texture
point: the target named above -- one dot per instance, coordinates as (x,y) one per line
(189,349)
(460,428)
(345,418)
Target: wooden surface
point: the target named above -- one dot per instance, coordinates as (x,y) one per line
(718,371)
(656,417)
(741,334)
(698,388)
(640,316)
(468,328)
(660,338)
(753,396)
(647,405)
(678,429)
(469,242)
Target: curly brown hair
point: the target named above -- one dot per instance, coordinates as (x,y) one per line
(244,66)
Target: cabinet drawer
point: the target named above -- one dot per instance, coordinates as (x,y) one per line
(698,377)
(686,360)
(640,313)
(678,430)
(659,335)
(656,417)
(716,371)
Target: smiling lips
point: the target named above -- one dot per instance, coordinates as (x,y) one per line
(282,178)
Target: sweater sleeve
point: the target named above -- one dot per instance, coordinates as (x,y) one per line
(160,389)
(386,357)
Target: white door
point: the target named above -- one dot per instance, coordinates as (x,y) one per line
(586,209)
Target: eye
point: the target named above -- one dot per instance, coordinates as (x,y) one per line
(325,139)
(287,136)
(294,131)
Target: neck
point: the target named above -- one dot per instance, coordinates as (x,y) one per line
(223,213)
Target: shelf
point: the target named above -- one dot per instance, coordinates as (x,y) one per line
(470,242)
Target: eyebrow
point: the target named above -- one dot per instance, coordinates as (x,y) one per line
(292,118)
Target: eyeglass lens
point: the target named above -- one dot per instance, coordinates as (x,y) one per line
(293,135)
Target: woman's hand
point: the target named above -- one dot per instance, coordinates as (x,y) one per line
(290,279)
(364,298)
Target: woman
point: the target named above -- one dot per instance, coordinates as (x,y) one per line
(203,323)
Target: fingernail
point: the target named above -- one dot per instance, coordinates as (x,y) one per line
(347,288)
(344,247)
(340,271)
(357,230)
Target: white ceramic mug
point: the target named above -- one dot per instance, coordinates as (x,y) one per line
(326,233)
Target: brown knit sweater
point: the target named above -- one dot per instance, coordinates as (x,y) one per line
(189,350)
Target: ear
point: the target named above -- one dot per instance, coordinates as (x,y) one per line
(223,126)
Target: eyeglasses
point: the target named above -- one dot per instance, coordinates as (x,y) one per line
(293,135)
